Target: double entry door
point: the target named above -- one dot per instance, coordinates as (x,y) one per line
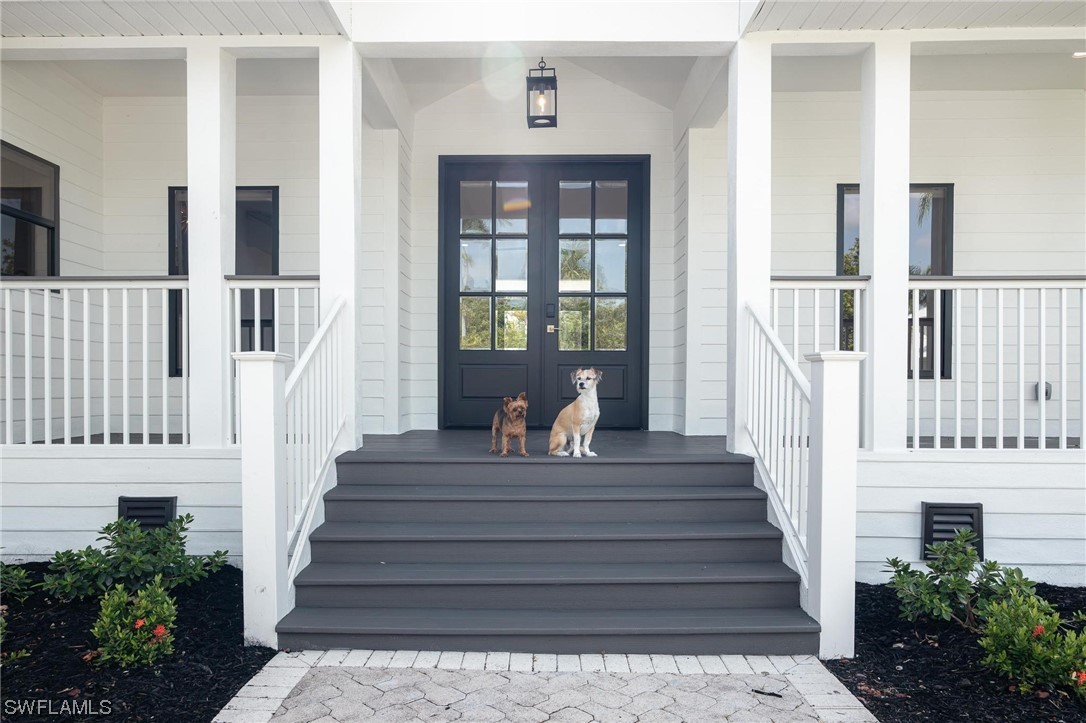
(541,272)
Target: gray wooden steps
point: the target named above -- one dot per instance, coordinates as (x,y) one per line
(659,545)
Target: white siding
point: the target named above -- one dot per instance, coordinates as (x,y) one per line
(145,154)
(597,117)
(61,501)
(50,114)
(1034,509)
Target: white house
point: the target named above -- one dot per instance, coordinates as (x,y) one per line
(243,238)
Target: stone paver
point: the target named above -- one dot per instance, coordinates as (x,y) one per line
(386,686)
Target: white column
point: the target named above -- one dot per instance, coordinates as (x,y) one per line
(212,177)
(750,77)
(884,239)
(262,381)
(340,87)
(831,499)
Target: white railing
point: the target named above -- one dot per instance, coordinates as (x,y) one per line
(985,346)
(289,313)
(804,438)
(291,430)
(818,313)
(94,360)
(778,418)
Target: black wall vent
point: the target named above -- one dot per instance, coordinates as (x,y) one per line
(941,520)
(151,512)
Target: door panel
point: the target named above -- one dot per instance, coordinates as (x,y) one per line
(541,272)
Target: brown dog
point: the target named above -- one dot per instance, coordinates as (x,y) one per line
(509,420)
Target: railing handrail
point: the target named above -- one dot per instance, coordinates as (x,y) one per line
(296,281)
(60,283)
(951,283)
(310,349)
(819,281)
(789,363)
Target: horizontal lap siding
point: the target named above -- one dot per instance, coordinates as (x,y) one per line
(598,117)
(60,501)
(1034,512)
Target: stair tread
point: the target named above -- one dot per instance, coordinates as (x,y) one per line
(333,573)
(532,493)
(444,621)
(331,531)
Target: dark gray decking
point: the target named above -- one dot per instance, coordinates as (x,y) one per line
(660,544)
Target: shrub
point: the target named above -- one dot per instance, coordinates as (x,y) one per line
(14,583)
(958,585)
(135,630)
(1026,640)
(131,557)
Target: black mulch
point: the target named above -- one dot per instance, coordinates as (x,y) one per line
(208,666)
(910,672)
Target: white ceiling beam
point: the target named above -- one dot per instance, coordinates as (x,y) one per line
(161,47)
(704,97)
(921,35)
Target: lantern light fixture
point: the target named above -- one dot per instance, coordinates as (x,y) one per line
(542,96)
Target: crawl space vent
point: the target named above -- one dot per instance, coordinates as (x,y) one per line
(151,512)
(942,520)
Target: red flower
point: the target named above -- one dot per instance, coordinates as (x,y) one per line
(1079,677)
(140,622)
(160,630)
(1038,631)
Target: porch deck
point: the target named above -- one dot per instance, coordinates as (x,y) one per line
(472,445)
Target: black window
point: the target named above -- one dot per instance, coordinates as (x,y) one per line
(29,212)
(256,253)
(931,253)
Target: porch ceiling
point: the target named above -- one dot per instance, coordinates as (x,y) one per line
(98,18)
(915,14)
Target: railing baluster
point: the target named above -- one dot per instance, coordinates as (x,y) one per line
(185,366)
(1082,368)
(28,369)
(235,428)
(958,370)
(1042,413)
(980,370)
(1063,370)
(47,361)
(837,311)
(297,324)
(86,367)
(66,297)
(1021,338)
(145,332)
(107,417)
(937,369)
(258,321)
(817,320)
(125,372)
(164,335)
(915,363)
(795,323)
(9,372)
(999,369)
(276,345)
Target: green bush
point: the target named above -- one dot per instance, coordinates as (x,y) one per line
(14,583)
(958,585)
(135,630)
(130,557)
(1026,640)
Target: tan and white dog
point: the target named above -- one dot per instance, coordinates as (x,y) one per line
(575,424)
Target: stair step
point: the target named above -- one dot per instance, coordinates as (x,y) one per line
(542,503)
(573,586)
(605,542)
(781,631)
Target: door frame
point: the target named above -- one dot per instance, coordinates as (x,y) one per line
(444,162)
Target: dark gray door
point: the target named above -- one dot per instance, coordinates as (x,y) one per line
(541,271)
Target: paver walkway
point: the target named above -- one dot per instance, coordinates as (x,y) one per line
(338,686)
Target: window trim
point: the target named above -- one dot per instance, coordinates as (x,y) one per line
(53,227)
(946,302)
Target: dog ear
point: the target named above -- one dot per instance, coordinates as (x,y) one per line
(522,397)
(599,374)
(507,401)
(573,376)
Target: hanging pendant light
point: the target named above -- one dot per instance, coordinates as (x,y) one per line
(542,97)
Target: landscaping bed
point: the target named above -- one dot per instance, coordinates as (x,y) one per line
(208,666)
(908,672)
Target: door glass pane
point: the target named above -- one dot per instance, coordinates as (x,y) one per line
(610,264)
(574,265)
(475,207)
(512,265)
(574,323)
(511,323)
(611,324)
(574,207)
(610,206)
(474,322)
(474,264)
(513,207)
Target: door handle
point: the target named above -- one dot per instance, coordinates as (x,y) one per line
(550,328)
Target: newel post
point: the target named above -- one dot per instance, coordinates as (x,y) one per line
(831,499)
(262,406)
